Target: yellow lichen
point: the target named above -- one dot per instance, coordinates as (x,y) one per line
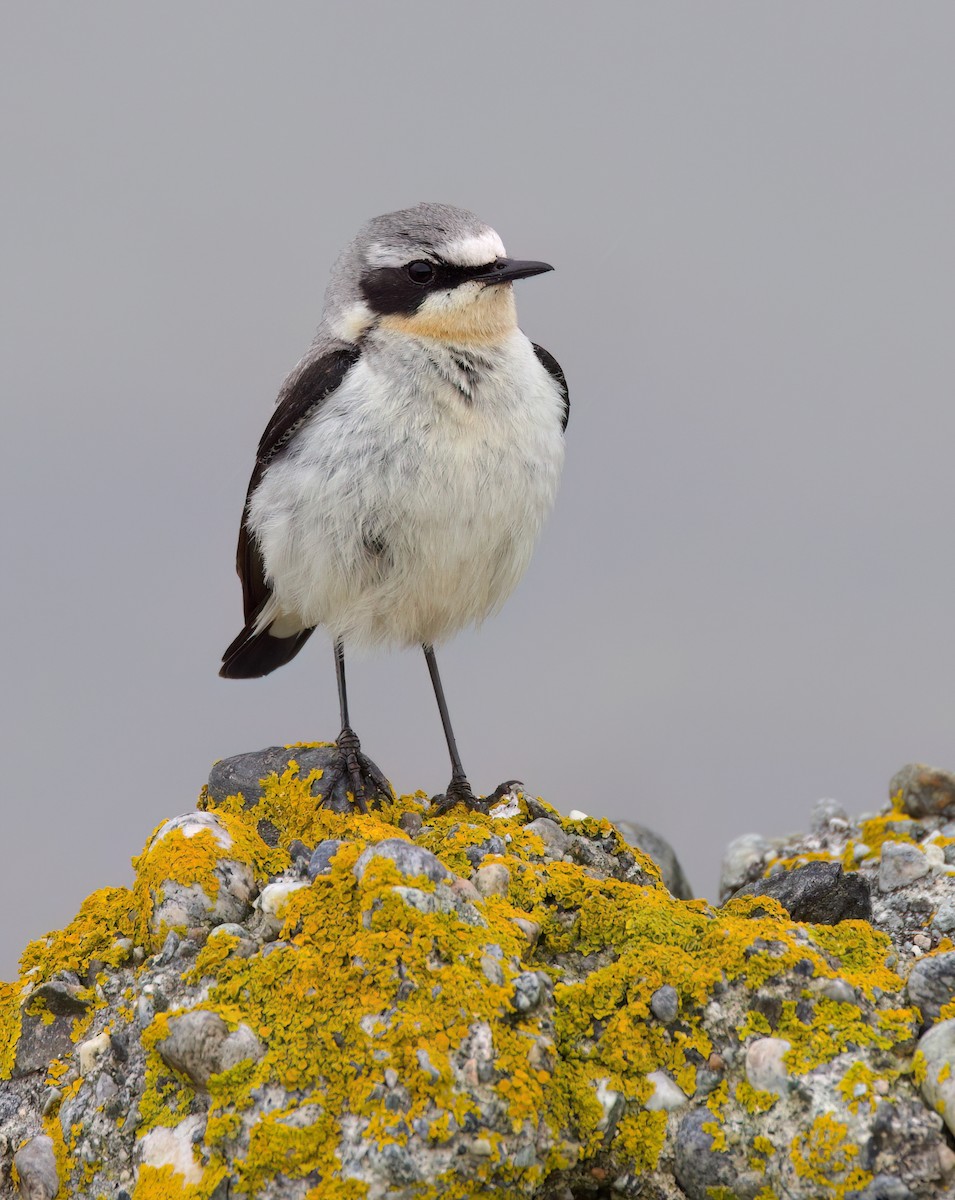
(825,1156)
(360,985)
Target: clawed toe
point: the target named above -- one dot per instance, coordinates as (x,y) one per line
(353,780)
(459,792)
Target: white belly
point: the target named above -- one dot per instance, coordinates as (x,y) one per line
(403,512)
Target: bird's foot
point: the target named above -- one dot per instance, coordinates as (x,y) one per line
(353,780)
(459,792)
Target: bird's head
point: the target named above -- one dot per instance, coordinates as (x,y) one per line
(430,271)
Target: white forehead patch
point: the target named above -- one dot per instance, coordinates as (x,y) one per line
(473,251)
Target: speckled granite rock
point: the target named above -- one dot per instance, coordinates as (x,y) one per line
(403,1006)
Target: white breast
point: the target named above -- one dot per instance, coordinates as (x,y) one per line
(405,510)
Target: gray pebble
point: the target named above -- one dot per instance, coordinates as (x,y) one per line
(931,984)
(944,919)
(556,842)
(36,1165)
(743,861)
(492,880)
(320,862)
(200,1045)
(665,1004)
(825,812)
(411,860)
(902,863)
(527,991)
(926,791)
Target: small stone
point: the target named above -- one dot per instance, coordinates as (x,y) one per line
(612,1103)
(926,791)
(426,1065)
(931,985)
(839,990)
(172,1147)
(556,841)
(576,815)
(827,814)
(666,1094)
(229,929)
(480,1147)
(765,1069)
(200,1045)
(36,1165)
(493,971)
(938,1087)
(89,1053)
(527,991)
(411,860)
(884,1187)
(935,855)
(170,948)
(944,919)
(492,880)
(744,861)
(665,1004)
(273,897)
(465,890)
(902,863)
(411,823)
(530,929)
(320,862)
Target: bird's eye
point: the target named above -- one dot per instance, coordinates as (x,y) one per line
(420,272)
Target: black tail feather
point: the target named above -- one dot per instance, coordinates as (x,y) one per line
(253,654)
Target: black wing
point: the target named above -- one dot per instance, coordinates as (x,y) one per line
(301,397)
(552,367)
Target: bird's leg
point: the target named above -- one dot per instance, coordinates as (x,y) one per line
(459,790)
(352,771)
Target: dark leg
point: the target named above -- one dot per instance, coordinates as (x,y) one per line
(354,771)
(459,790)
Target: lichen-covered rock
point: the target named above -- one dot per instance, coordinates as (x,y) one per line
(458,1005)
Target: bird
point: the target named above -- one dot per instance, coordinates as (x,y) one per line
(402,481)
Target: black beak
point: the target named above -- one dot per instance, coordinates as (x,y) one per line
(503,270)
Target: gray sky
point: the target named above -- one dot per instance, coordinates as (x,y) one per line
(743,600)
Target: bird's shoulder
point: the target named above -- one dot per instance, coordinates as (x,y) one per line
(304,392)
(553,368)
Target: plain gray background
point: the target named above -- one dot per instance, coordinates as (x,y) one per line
(744,598)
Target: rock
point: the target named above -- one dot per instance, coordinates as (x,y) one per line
(588,1034)
(926,791)
(662,853)
(200,1045)
(172,1147)
(243,774)
(665,1004)
(931,985)
(827,815)
(556,841)
(411,860)
(227,885)
(884,1187)
(320,862)
(765,1069)
(492,880)
(944,919)
(937,1047)
(699,1167)
(36,1166)
(743,862)
(819,893)
(666,1095)
(902,864)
